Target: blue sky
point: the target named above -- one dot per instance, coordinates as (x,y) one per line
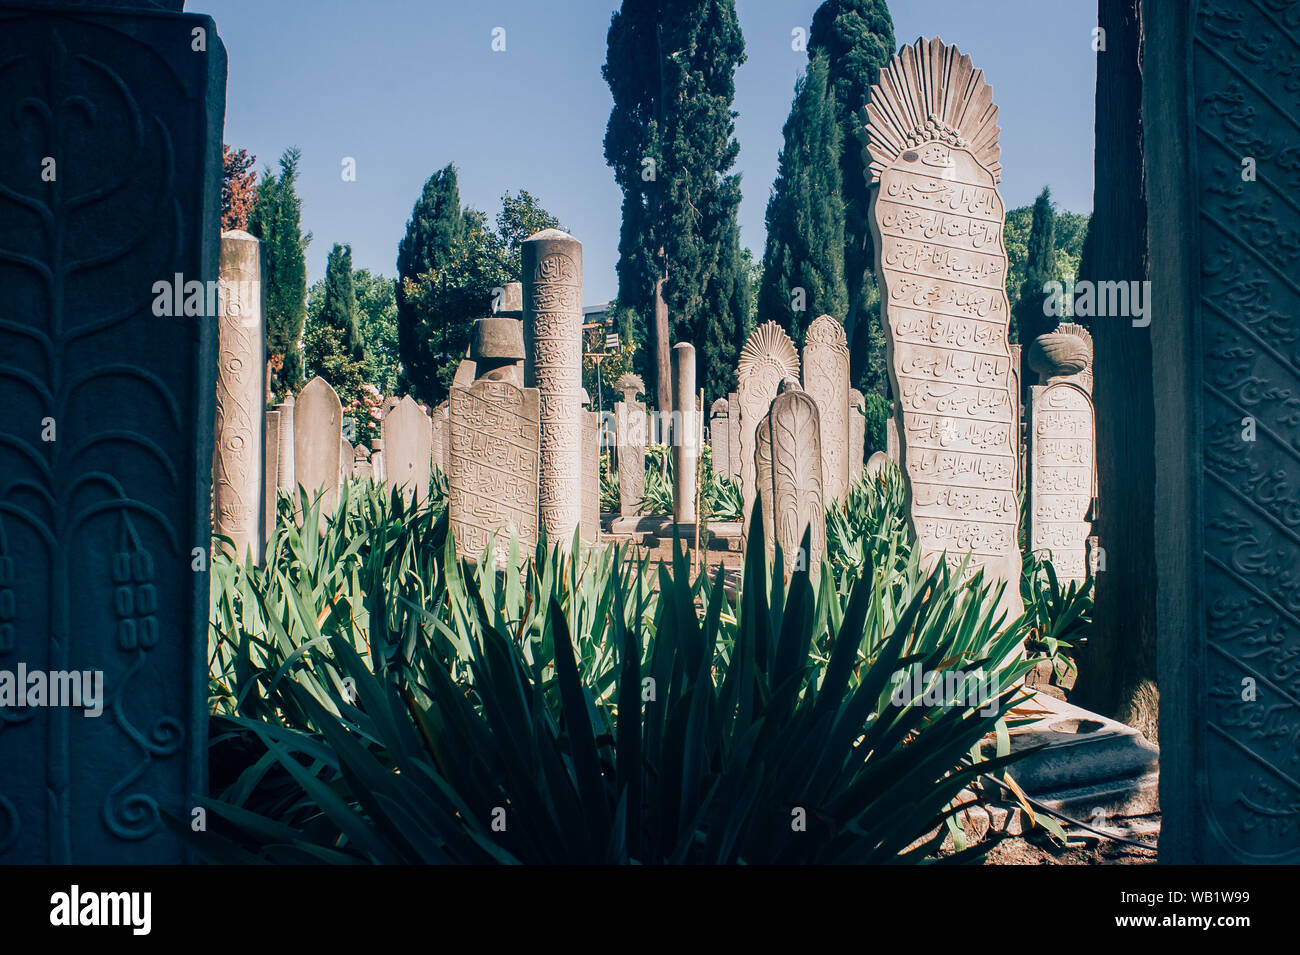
(406,86)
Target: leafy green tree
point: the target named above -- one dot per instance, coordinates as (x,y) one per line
(276,220)
(426,342)
(332,346)
(670,140)
(724,312)
(521,215)
(857,39)
(803,263)
(377,315)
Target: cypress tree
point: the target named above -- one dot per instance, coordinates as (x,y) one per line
(857,38)
(276,220)
(435,226)
(1030,318)
(333,345)
(670,140)
(803,263)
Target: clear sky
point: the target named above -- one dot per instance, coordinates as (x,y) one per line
(406,86)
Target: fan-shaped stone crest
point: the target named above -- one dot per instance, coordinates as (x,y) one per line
(769,347)
(931,93)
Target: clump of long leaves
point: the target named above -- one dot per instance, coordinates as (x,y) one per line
(572,709)
(1058,617)
(870,525)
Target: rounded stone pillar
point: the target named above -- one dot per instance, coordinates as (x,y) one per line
(686,433)
(241,411)
(552,304)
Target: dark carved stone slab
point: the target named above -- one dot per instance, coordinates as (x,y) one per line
(99,527)
(1226,346)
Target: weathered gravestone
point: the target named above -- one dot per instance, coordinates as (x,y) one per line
(237,471)
(1220,88)
(110,185)
(270,471)
(552,304)
(317,440)
(937,218)
(766,359)
(361,463)
(719,434)
(441,423)
(857,435)
(686,433)
(345,461)
(590,477)
(284,470)
(826,381)
(377,459)
(1017,414)
(733,436)
(408,450)
(631,425)
(787,459)
(1061,441)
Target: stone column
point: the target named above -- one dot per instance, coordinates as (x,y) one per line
(270,471)
(631,425)
(686,433)
(237,460)
(552,303)
(284,472)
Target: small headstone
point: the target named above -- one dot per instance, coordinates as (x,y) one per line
(719,432)
(361,463)
(891,437)
(733,436)
(767,357)
(590,477)
(857,435)
(317,441)
(631,424)
(1061,475)
(788,471)
(826,381)
(270,471)
(284,471)
(345,461)
(408,450)
(686,431)
(875,463)
(377,459)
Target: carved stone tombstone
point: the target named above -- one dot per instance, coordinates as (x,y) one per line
(1061,442)
(686,433)
(788,471)
(284,469)
(345,462)
(857,435)
(891,437)
(826,381)
(631,424)
(937,218)
(110,185)
(552,304)
(408,450)
(719,435)
(493,479)
(237,476)
(733,436)
(270,472)
(441,424)
(590,477)
(1017,417)
(377,459)
(361,463)
(317,440)
(766,359)
(1220,87)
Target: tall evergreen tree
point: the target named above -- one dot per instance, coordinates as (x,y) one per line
(724,314)
(276,220)
(803,263)
(670,140)
(857,38)
(1030,319)
(333,346)
(436,224)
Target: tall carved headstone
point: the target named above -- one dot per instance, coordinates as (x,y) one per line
(270,471)
(590,477)
(110,184)
(1017,412)
(493,479)
(826,381)
(1219,88)
(552,304)
(937,219)
(719,437)
(237,477)
(317,440)
(686,433)
(788,472)
(857,435)
(631,424)
(408,450)
(766,359)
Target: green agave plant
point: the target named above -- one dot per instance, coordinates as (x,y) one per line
(379,700)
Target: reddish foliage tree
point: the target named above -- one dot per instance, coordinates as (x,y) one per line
(238,187)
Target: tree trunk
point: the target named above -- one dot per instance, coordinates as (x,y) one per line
(1117,670)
